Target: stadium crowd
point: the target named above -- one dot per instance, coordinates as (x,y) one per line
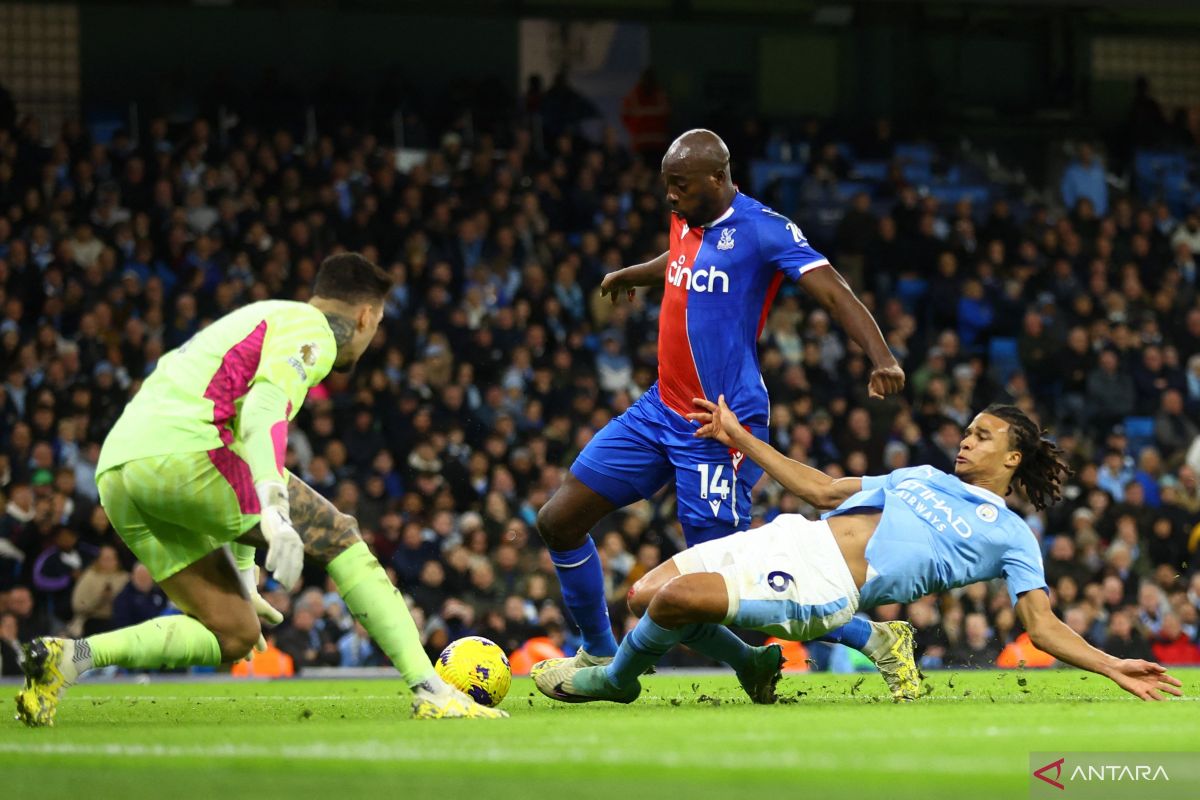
(498,360)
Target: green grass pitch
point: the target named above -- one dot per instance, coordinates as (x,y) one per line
(686,738)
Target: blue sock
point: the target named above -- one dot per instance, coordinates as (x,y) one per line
(720,643)
(582,581)
(642,648)
(854,633)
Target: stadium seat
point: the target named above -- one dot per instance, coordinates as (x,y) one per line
(762,173)
(1003,360)
(915,153)
(869,171)
(917,173)
(1153,165)
(1140,433)
(847,189)
(911,291)
(978,195)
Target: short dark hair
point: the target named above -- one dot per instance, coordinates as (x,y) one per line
(350,278)
(1043,467)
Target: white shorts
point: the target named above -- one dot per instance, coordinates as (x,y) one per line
(787,578)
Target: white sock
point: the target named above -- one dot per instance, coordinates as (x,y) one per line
(433,686)
(881,637)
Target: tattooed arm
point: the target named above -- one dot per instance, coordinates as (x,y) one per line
(325,531)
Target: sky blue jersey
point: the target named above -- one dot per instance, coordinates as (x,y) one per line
(937,533)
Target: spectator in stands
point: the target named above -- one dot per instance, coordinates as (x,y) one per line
(1085,179)
(646,114)
(32,621)
(977,649)
(1171,644)
(975,314)
(306,641)
(96,591)
(1111,395)
(1124,640)
(485,380)
(1174,429)
(1188,235)
(140,600)
(356,649)
(56,570)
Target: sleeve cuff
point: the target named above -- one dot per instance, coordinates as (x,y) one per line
(872,482)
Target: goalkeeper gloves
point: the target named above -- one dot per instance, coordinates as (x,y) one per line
(285,550)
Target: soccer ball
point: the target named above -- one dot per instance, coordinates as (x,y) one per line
(477,666)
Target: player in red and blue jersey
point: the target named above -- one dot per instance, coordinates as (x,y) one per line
(728,256)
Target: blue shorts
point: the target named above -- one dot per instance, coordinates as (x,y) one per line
(636,454)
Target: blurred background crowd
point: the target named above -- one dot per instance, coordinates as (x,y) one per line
(498,360)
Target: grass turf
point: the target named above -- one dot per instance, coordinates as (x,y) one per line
(687,737)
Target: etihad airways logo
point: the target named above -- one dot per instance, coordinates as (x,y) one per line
(697,280)
(932,508)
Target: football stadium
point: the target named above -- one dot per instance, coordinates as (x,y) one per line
(600,398)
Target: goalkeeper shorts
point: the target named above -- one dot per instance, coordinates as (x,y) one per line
(172,510)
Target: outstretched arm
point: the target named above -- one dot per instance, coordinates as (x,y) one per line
(1142,678)
(830,289)
(651,273)
(811,485)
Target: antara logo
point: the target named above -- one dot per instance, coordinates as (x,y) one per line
(697,280)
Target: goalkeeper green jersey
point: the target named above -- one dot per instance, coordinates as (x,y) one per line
(193,401)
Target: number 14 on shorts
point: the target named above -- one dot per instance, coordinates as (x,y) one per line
(713,486)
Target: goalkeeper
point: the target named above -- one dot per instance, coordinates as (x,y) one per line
(192,478)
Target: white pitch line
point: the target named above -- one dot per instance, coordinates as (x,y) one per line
(979,696)
(377,751)
(296,698)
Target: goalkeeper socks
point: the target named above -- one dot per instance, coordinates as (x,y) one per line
(582,581)
(643,647)
(162,642)
(379,606)
(854,633)
(720,643)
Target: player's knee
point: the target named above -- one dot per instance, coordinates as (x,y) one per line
(551,526)
(673,602)
(639,597)
(236,634)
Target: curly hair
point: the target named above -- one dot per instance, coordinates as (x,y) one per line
(1043,468)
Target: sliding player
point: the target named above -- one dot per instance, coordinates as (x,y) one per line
(195,464)
(728,256)
(889,539)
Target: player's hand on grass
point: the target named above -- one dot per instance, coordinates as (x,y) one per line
(885,380)
(613,284)
(1145,679)
(716,421)
(285,550)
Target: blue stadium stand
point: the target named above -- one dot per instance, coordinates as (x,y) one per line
(1002,358)
(875,171)
(1140,433)
(915,153)
(949,194)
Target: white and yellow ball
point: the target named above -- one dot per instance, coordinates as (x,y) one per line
(478,667)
